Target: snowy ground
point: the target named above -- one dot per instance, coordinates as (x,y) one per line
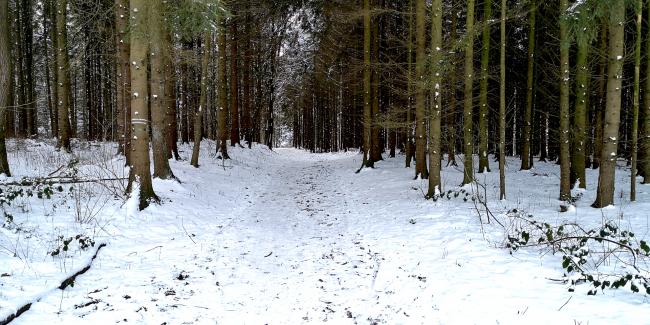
(288,237)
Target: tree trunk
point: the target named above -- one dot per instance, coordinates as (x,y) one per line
(565,162)
(644,152)
(5,82)
(234,85)
(375,141)
(468,146)
(637,88)
(140,174)
(171,128)
(63,76)
(435,184)
(246,114)
(453,77)
(123,80)
(502,106)
(578,157)
(599,103)
(606,176)
(409,90)
(526,154)
(420,90)
(222,112)
(367,85)
(198,115)
(157,98)
(484,110)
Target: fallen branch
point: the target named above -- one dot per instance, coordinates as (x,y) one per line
(60,180)
(67,282)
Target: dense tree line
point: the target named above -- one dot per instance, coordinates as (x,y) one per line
(561,80)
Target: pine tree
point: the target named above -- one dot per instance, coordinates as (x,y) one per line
(565,162)
(420,94)
(435,184)
(140,174)
(484,162)
(63,76)
(222,111)
(502,106)
(123,77)
(198,114)
(527,152)
(606,176)
(5,83)
(468,138)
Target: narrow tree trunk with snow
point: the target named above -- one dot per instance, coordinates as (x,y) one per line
(63,76)
(579,139)
(435,184)
(502,106)
(367,84)
(606,176)
(123,77)
(637,88)
(234,85)
(157,30)
(6,74)
(526,153)
(565,162)
(198,115)
(222,110)
(468,138)
(484,110)
(140,174)
(420,90)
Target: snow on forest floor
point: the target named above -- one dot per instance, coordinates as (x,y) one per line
(288,237)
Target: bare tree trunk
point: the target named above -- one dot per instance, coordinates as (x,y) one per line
(578,157)
(637,88)
(565,159)
(453,103)
(170,97)
(502,106)
(222,112)
(367,84)
(420,87)
(157,49)
(435,184)
(63,76)
(5,82)
(468,146)
(484,162)
(526,154)
(409,90)
(606,177)
(198,114)
(140,174)
(644,153)
(234,85)
(123,80)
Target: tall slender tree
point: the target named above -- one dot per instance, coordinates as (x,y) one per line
(159,116)
(234,84)
(484,110)
(420,90)
(565,162)
(140,174)
(222,111)
(123,77)
(638,9)
(198,114)
(607,172)
(5,82)
(526,154)
(367,83)
(63,75)
(435,184)
(468,138)
(502,105)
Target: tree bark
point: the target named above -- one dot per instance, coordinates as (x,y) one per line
(637,88)
(565,162)
(157,30)
(234,85)
(367,84)
(578,156)
(5,82)
(606,176)
(123,78)
(222,112)
(502,106)
(435,184)
(420,90)
(198,115)
(526,154)
(63,76)
(140,174)
(484,110)
(644,150)
(468,146)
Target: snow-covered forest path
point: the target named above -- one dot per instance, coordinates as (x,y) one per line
(287,237)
